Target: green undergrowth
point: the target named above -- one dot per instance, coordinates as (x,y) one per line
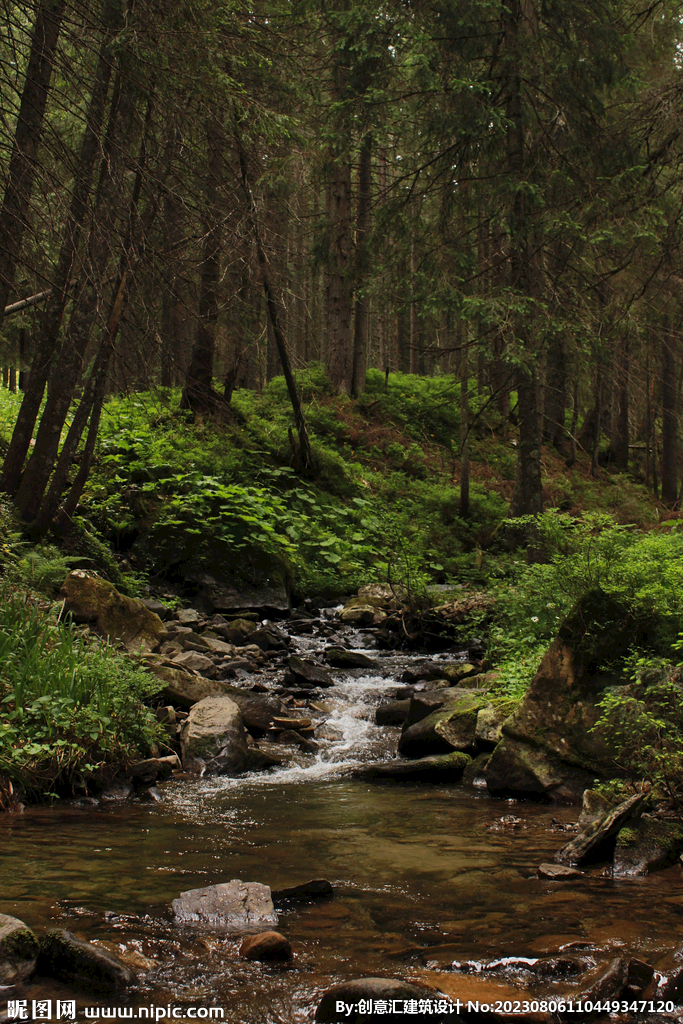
(71,709)
(225,498)
(642,568)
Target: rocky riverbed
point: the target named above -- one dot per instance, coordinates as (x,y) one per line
(284,755)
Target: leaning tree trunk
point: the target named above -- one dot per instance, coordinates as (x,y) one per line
(48,336)
(69,366)
(24,157)
(303,456)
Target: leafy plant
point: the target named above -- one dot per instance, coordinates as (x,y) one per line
(643,722)
(68,708)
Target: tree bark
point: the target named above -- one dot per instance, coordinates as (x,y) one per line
(669,476)
(361,321)
(528,493)
(198,393)
(621,438)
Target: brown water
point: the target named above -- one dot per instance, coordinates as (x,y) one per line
(423,876)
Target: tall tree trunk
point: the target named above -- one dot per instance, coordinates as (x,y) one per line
(198,393)
(48,336)
(621,438)
(597,428)
(360,336)
(303,455)
(555,394)
(23,160)
(464,421)
(338,279)
(528,494)
(669,479)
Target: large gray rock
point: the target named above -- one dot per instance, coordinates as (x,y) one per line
(234,906)
(549,748)
(226,595)
(452,726)
(18,951)
(646,845)
(70,959)
(212,738)
(597,841)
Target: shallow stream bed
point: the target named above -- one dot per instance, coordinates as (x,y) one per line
(423,876)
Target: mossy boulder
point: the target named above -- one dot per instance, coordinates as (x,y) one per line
(437,768)
(647,845)
(18,951)
(66,957)
(548,747)
(450,727)
(111,614)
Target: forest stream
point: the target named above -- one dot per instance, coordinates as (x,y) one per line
(423,875)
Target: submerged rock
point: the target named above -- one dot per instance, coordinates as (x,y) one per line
(212,738)
(437,768)
(70,959)
(549,748)
(233,906)
(316,889)
(266,946)
(18,951)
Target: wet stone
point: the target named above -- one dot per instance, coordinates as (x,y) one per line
(68,958)
(266,946)
(18,951)
(233,906)
(558,872)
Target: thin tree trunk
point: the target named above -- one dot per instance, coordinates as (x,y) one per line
(528,493)
(198,393)
(464,422)
(304,454)
(669,422)
(621,437)
(597,430)
(360,336)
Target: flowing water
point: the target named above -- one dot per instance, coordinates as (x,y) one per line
(423,876)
